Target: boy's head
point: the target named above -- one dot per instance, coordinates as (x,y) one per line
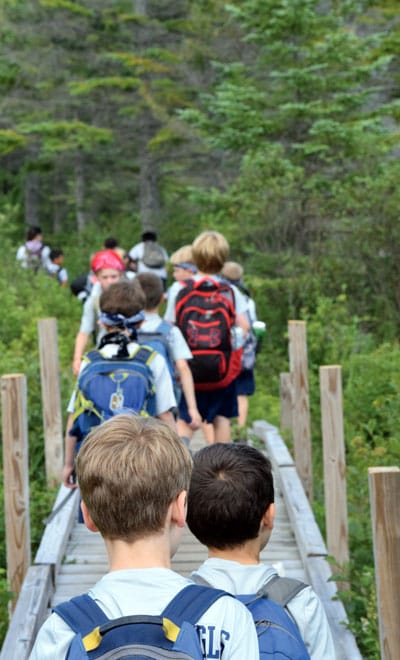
(232,271)
(110,243)
(182,263)
(108,267)
(153,288)
(210,251)
(122,305)
(130,469)
(34,234)
(230,491)
(149,236)
(56,256)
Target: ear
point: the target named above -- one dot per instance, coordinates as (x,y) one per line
(87,518)
(179,508)
(268,518)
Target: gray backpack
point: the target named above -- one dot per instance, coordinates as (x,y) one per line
(153,255)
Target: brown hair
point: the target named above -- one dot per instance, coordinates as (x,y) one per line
(130,469)
(210,251)
(125,297)
(153,288)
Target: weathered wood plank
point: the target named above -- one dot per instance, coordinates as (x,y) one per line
(319,575)
(276,449)
(29,613)
(56,533)
(304,526)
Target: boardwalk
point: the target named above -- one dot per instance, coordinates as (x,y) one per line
(70,558)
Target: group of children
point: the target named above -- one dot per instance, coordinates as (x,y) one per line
(138,483)
(138,480)
(33,254)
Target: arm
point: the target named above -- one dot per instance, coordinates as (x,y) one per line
(243,322)
(186,379)
(81,340)
(69,460)
(168,418)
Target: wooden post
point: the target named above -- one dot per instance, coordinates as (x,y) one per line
(330,379)
(384,487)
(285,390)
(16,479)
(300,404)
(51,399)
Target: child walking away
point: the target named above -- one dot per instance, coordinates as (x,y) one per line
(120,375)
(55,267)
(149,256)
(167,339)
(125,461)
(183,264)
(108,268)
(211,315)
(245,383)
(33,254)
(231,511)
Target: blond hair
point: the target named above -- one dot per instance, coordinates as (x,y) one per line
(130,469)
(182,256)
(232,271)
(210,251)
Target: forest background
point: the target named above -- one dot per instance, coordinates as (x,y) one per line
(275,122)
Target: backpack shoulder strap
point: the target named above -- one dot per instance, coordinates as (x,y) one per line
(144,354)
(281,589)
(164,328)
(191,603)
(81,614)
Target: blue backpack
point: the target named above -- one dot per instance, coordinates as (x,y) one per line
(157,340)
(278,635)
(170,636)
(108,386)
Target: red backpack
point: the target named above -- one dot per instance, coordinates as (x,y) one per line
(205,314)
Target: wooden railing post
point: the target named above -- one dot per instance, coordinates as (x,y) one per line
(51,399)
(285,391)
(300,404)
(16,479)
(334,463)
(384,486)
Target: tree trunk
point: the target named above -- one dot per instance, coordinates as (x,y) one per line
(31,199)
(80,192)
(149,192)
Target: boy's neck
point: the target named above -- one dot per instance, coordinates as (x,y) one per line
(150,552)
(247,554)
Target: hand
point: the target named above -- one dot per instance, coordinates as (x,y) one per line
(68,476)
(76,365)
(195,418)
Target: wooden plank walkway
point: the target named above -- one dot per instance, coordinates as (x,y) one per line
(71,559)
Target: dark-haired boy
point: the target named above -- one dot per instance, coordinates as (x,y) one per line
(231,511)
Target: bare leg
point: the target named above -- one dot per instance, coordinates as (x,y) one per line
(222,429)
(208,430)
(184,429)
(243,405)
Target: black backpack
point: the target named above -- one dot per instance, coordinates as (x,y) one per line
(205,314)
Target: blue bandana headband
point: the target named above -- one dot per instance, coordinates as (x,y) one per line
(186,266)
(119,320)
